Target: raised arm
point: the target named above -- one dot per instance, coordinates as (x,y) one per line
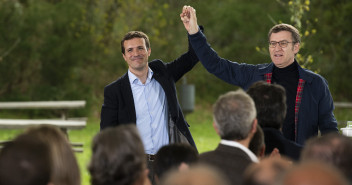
(232,72)
(188,60)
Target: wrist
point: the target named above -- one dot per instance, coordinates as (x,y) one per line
(193,31)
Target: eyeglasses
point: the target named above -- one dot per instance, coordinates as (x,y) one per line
(282,44)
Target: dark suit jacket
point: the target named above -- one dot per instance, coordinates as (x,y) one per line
(273,138)
(231,161)
(118,107)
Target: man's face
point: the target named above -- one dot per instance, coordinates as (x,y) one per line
(136,54)
(283,56)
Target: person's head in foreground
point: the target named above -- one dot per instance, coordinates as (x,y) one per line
(64,168)
(174,156)
(25,161)
(312,173)
(235,117)
(332,148)
(118,157)
(195,175)
(267,171)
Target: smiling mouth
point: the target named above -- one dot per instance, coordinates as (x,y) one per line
(137,58)
(278,55)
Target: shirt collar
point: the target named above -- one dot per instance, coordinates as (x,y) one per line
(134,79)
(240,146)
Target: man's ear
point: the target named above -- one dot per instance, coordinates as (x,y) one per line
(216,128)
(124,57)
(296,47)
(149,51)
(254,126)
(262,151)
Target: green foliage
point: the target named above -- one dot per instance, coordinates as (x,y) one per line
(64,49)
(233,30)
(333,41)
(298,9)
(57,50)
(41,65)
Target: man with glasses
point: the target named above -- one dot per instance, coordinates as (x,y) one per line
(309,101)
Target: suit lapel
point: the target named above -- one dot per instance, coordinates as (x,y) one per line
(128,97)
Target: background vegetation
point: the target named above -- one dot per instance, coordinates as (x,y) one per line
(69,50)
(63,49)
(202,131)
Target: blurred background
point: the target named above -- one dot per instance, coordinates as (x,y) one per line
(70,50)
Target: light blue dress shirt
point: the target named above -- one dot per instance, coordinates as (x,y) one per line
(151,112)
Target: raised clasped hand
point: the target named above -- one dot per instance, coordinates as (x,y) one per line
(189,19)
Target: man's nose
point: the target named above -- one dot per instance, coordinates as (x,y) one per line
(278,47)
(135,53)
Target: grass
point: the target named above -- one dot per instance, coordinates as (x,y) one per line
(86,135)
(201,128)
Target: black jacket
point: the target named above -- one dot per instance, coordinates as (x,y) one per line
(230,161)
(275,139)
(118,107)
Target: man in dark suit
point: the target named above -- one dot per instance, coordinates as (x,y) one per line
(235,122)
(270,102)
(146,95)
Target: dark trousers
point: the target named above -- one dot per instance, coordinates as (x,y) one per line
(151,171)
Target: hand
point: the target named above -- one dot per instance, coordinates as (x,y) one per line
(189,19)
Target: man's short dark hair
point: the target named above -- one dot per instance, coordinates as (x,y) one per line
(270,102)
(172,155)
(134,34)
(118,156)
(296,37)
(25,161)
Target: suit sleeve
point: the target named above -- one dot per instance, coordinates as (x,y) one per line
(239,74)
(109,112)
(327,121)
(184,63)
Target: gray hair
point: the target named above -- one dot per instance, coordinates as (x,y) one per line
(234,113)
